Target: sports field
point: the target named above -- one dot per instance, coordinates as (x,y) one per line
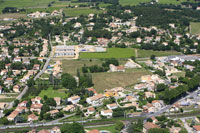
(195,28)
(111,53)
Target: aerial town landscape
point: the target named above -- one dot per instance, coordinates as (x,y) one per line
(100,66)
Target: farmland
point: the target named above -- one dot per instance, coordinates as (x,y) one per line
(111,53)
(195,28)
(132,2)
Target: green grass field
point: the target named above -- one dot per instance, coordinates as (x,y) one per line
(147,53)
(53,93)
(111,53)
(195,28)
(132,2)
(175,2)
(24,3)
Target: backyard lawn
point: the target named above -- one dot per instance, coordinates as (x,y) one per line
(111,53)
(195,28)
(53,93)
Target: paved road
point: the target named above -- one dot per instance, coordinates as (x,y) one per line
(187,127)
(167,107)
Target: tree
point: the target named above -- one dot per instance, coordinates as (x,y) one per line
(153,57)
(161,87)
(16,102)
(119,126)
(47,116)
(50,102)
(72,128)
(68,81)
(4,121)
(133,58)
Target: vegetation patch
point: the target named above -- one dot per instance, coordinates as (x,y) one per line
(195,28)
(132,2)
(53,93)
(147,53)
(111,53)
(107,80)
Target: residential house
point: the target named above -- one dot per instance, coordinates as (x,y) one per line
(196,129)
(69,108)
(8,82)
(95,100)
(114,68)
(130,99)
(90,110)
(36,67)
(53,112)
(16,88)
(175,129)
(154,120)
(149,94)
(36,100)
(2,106)
(12,116)
(158,104)
(36,107)
(94,131)
(55,130)
(32,117)
(107,113)
(74,99)
(149,108)
(17,59)
(23,104)
(1,89)
(21,109)
(112,106)
(58,100)
(149,125)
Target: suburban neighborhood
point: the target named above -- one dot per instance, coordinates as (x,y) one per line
(121,69)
